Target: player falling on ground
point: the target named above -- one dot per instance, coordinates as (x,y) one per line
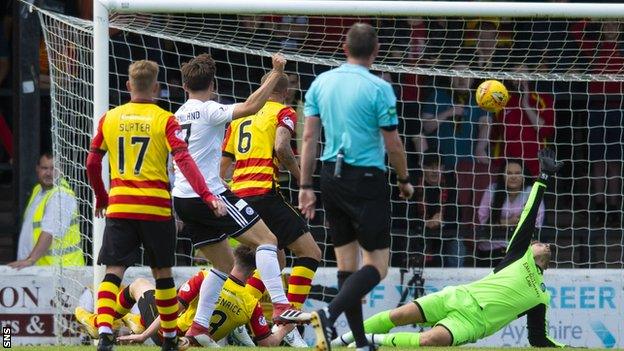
(235,308)
(466,313)
(204,122)
(257,145)
(139,136)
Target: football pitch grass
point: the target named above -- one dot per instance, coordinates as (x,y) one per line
(235,348)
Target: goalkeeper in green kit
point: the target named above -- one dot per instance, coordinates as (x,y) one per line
(466,313)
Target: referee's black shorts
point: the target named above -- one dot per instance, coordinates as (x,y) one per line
(281,218)
(357,205)
(123,239)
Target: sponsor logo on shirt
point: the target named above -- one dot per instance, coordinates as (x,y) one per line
(262,321)
(288,122)
(249,211)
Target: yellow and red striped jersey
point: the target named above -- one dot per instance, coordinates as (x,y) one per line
(138,137)
(250,142)
(236,306)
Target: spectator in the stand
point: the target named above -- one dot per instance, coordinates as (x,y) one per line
(502,203)
(606,126)
(488,53)
(525,125)
(453,124)
(293,31)
(436,202)
(500,210)
(50,233)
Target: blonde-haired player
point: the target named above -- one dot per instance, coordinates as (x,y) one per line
(139,136)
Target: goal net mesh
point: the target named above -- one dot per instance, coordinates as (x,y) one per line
(564,77)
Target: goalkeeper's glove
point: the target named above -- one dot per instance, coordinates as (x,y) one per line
(548,163)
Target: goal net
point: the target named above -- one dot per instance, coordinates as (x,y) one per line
(470,168)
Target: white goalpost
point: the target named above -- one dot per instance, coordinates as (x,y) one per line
(568,58)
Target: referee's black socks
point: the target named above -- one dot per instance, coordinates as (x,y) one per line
(352,288)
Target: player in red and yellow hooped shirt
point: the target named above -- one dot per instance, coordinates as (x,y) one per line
(139,136)
(257,145)
(234,308)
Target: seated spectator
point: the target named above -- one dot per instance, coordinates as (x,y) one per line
(454,126)
(436,204)
(522,128)
(501,205)
(50,233)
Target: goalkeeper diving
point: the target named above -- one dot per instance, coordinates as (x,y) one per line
(466,313)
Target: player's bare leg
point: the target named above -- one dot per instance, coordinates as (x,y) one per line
(267,263)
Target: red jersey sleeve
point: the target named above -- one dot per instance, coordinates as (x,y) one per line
(190,289)
(188,167)
(98,144)
(287,118)
(258,324)
(174,139)
(94,167)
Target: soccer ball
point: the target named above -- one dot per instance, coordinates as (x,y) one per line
(492,96)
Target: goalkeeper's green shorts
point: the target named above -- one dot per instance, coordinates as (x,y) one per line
(456,310)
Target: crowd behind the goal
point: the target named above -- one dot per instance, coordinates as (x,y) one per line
(469,194)
(472,169)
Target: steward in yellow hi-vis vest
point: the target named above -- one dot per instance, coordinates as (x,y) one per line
(65,249)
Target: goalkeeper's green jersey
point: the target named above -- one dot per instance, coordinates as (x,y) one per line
(516,286)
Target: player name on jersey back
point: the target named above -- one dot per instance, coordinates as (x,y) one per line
(203,125)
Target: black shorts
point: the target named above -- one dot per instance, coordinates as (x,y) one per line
(205,228)
(124,237)
(149,312)
(357,206)
(283,220)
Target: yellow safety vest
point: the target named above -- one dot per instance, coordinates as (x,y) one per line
(65,251)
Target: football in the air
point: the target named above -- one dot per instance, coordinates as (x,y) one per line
(492,95)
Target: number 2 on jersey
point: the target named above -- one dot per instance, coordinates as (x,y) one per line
(244,137)
(144,141)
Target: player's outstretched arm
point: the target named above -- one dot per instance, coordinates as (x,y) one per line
(523,233)
(146,334)
(258,98)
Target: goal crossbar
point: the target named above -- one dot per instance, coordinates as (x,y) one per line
(372,8)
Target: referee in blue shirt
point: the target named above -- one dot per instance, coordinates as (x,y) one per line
(358,112)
